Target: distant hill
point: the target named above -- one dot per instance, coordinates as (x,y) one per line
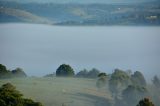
(17,15)
(81,1)
(147,13)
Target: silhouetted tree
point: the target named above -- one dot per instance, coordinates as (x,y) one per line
(138,79)
(65,70)
(145,102)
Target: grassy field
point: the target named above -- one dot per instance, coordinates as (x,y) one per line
(62,91)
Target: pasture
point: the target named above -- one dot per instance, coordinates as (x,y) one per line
(62,91)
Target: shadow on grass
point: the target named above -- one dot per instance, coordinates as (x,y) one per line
(96,100)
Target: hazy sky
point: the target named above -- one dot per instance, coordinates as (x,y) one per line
(40,49)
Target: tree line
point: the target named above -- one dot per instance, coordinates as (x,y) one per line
(126,88)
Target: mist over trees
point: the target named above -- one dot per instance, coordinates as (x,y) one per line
(138,79)
(119,80)
(132,94)
(18,72)
(93,73)
(5,73)
(156,81)
(102,80)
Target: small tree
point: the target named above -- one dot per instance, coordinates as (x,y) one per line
(145,102)
(65,71)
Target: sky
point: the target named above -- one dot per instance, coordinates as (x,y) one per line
(40,49)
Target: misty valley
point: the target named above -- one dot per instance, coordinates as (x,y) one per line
(44,79)
(80,53)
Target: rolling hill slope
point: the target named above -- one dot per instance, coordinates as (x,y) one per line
(21,15)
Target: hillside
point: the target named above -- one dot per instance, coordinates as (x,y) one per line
(17,15)
(81,14)
(61,91)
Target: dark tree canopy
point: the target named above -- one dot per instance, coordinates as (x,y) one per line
(145,102)
(138,79)
(65,71)
(9,96)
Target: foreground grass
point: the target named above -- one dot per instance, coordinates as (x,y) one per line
(61,91)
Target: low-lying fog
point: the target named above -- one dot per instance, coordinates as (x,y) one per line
(40,49)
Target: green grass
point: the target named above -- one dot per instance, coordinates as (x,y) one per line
(57,91)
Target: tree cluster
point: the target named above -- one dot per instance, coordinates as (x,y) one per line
(5,73)
(93,73)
